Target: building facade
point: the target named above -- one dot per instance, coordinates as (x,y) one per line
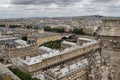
(19,48)
(38,64)
(45,37)
(75,71)
(110,34)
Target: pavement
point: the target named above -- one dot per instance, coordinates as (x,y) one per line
(5,71)
(114,61)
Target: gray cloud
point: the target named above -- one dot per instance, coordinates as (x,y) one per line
(43,2)
(46,8)
(102,1)
(58,2)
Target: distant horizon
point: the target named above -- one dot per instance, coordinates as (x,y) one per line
(58,16)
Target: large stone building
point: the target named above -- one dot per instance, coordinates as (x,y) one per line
(74,58)
(5,40)
(110,34)
(81,60)
(14,47)
(90,26)
(74,71)
(44,37)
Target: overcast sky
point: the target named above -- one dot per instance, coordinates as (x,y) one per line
(57,8)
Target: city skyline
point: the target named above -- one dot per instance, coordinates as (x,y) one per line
(58,8)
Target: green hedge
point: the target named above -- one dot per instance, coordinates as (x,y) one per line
(78,31)
(53,44)
(22,75)
(59,30)
(2,25)
(15,26)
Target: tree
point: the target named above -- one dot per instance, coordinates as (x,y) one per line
(78,31)
(2,25)
(59,30)
(47,28)
(23,75)
(15,26)
(29,27)
(24,38)
(53,44)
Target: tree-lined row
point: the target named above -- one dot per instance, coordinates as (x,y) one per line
(59,30)
(11,26)
(53,44)
(22,75)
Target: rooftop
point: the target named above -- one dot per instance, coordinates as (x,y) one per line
(21,44)
(10,38)
(69,43)
(67,69)
(85,39)
(5,40)
(40,58)
(17,44)
(45,34)
(44,48)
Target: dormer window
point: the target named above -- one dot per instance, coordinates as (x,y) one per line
(34,60)
(110,40)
